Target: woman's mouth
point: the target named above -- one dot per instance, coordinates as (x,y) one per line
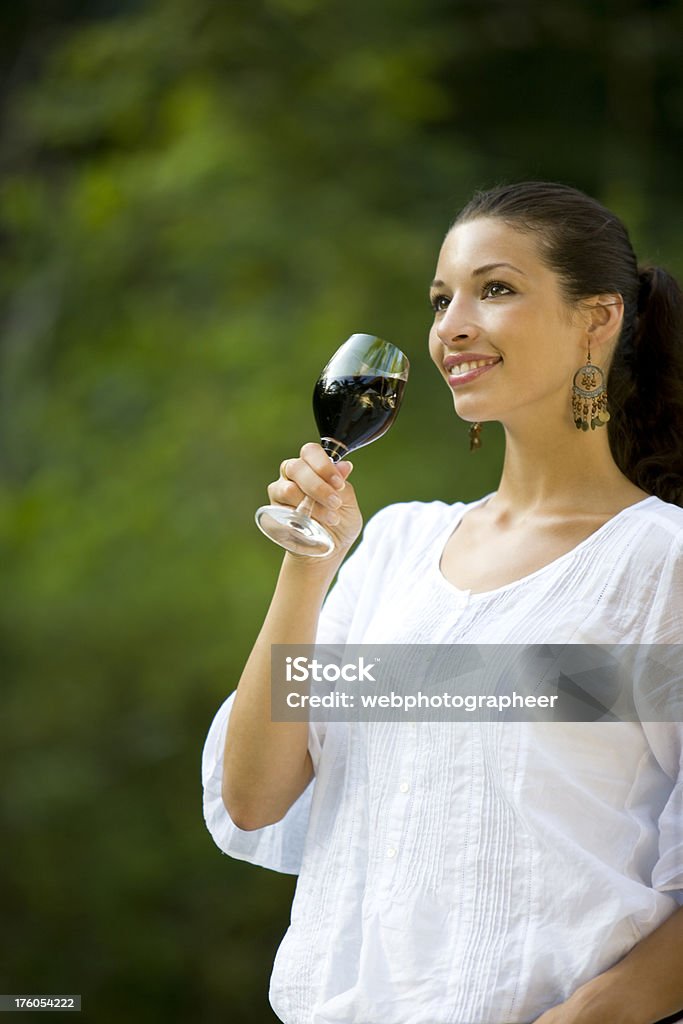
(461,371)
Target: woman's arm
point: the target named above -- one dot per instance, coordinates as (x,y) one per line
(644,987)
(266,763)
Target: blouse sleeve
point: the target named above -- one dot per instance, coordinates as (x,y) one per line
(667,875)
(666,741)
(280,846)
(660,699)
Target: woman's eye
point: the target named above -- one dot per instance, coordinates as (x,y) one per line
(493,289)
(439,303)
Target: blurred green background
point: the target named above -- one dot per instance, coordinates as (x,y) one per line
(198,202)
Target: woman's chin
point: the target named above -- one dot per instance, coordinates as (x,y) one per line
(474,412)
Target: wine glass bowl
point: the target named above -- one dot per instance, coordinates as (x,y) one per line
(355,401)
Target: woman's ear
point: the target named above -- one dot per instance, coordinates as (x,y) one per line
(605,314)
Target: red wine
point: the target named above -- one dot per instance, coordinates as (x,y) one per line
(353,411)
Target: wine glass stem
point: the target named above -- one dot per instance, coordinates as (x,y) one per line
(305,507)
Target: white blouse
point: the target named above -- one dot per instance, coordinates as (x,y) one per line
(476,872)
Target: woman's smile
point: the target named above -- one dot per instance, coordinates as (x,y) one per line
(464,367)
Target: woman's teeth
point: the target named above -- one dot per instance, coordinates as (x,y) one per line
(461,368)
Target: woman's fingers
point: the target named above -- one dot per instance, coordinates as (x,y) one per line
(315,457)
(311,475)
(332,501)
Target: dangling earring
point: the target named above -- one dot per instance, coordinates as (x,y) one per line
(589,396)
(475,436)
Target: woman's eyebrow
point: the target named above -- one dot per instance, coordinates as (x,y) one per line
(488,267)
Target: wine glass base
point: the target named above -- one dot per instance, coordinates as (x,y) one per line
(294,531)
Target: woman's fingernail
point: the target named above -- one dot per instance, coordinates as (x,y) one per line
(334,501)
(337,481)
(332,518)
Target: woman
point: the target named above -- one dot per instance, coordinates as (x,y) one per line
(488,873)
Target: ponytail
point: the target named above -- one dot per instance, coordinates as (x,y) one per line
(645,388)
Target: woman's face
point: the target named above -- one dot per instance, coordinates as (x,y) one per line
(504,339)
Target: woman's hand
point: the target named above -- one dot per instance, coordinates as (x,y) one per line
(563,1014)
(593,1003)
(646,985)
(314,475)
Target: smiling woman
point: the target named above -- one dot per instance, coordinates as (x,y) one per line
(487,871)
(514,318)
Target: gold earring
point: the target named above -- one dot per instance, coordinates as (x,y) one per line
(475,436)
(589,396)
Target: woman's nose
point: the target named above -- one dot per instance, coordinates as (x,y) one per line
(456,325)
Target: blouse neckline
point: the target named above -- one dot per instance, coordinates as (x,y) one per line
(445,535)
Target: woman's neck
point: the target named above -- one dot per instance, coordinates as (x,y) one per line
(567,472)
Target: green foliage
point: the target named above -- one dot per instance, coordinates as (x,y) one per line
(199,201)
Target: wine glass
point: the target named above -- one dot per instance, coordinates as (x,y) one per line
(355,400)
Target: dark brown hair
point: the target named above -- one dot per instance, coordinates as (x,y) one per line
(590,250)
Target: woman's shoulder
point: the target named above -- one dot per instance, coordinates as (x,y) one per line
(646,549)
(658,519)
(649,571)
(664,510)
(410,529)
(394,550)
(406,517)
